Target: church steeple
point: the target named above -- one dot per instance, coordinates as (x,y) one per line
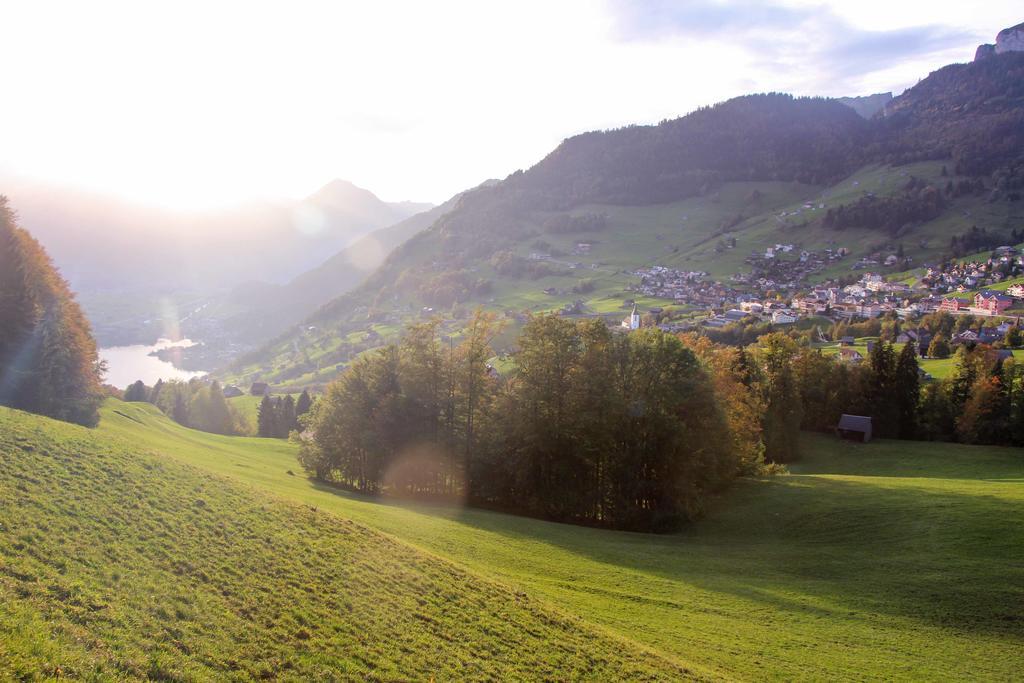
(633,321)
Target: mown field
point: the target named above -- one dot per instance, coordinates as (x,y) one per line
(891,561)
(121,563)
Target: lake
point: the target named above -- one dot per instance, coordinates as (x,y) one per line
(125,364)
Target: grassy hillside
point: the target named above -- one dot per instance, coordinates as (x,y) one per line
(116,563)
(894,560)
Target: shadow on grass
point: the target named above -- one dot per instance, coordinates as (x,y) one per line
(806,545)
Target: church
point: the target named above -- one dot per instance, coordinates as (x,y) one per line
(632,321)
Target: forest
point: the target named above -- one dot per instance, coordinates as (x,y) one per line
(48,359)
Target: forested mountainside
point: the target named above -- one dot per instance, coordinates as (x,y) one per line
(719,173)
(971,114)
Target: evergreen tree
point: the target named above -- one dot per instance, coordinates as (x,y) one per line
(907,387)
(288,422)
(265,419)
(155,393)
(304,403)
(883,402)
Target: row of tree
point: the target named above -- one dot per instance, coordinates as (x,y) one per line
(48,359)
(196,404)
(279,416)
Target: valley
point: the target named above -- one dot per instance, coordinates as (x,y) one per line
(697,385)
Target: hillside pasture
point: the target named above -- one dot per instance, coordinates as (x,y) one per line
(117,563)
(887,561)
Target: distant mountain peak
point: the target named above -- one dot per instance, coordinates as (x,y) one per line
(343,190)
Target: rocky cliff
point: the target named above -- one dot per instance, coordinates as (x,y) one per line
(1008,40)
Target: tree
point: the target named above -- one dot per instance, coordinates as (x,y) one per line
(939,348)
(154,394)
(288,420)
(135,392)
(984,418)
(1013,337)
(907,390)
(883,402)
(303,404)
(218,418)
(783,411)
(48,359)
(265,419)
(473,355)
(180,412)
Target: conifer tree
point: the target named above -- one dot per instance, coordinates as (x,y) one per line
(304,403)
(908,391)
(156,391)
(265,418)
(288,423)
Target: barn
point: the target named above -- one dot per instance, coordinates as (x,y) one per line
(854,428)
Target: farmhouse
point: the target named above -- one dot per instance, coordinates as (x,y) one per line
(231,391)
(1016,291)
(259,389)
(854,428)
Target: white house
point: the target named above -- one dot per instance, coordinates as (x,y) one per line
(783,317)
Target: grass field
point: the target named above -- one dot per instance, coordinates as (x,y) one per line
(938,368)
(895,560)
(116,563)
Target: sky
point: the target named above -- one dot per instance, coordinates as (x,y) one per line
(204,104)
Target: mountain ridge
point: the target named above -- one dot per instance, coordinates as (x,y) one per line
(968,116)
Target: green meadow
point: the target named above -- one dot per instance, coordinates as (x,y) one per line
(119,561)
(894,560)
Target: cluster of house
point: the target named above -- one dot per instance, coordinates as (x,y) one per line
(963,277)
(769,272)
(923,339)
(690,287)
(774,312)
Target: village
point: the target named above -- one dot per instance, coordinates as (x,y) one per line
(956,288)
